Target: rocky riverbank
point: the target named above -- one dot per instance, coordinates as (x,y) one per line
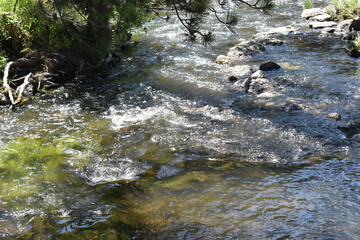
(259,87)
(26,77)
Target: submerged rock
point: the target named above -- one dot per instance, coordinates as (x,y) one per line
(269,66)
(350,129)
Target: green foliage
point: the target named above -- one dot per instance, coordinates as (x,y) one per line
(92,27)
(126,16)
(308,4)
(356,42)
(346,8)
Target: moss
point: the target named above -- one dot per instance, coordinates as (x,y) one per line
(27,166)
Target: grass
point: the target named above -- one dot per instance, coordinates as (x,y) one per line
(356,42)
(7,6)
(346,8)
(308,4)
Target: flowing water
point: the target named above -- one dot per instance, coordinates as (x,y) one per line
(167,148)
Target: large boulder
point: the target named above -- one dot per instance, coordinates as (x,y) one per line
(269,66)
(308,13)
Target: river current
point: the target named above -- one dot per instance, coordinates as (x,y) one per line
(168,148)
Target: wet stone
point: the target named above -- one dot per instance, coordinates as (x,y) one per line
(308,13)
(317,25)
(269,66)
(258,74)
(321,18)
(344,24)
(260,85)
(335,116)
(238,72)
(222,59)
(328,30)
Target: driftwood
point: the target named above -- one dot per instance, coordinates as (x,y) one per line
(14,90)
(27,76)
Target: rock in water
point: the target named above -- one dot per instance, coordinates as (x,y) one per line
(308,13)
(334,116)
(316,25)
(258,74)
(269,66)
(355,25)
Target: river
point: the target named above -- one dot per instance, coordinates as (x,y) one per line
(167,148)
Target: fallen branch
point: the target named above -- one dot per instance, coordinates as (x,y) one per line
(20,90)
(6,85)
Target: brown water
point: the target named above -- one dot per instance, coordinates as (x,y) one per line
(168,149)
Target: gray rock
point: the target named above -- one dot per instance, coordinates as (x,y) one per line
(269,66)
(222,59)
(317,25)
(344,25)
(308,13)
(258,74)
(328,30)
(238,72)
(260,85)
(334,116)
(321,18)
(276,31)
(248,48)
(290,107)
(271,41)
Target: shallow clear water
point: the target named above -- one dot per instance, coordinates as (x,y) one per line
(169,149)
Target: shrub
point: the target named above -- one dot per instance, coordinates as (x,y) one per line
(346,8)
(308,4)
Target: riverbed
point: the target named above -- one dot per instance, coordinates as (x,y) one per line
(168,148)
